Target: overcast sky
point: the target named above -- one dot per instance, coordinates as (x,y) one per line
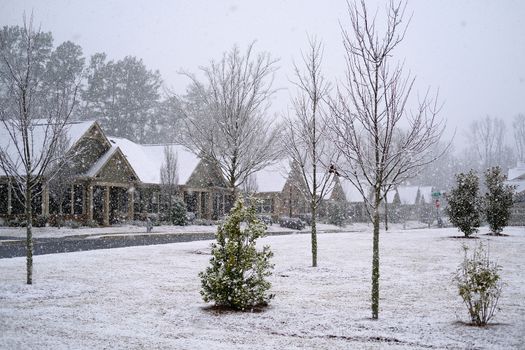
(473,51)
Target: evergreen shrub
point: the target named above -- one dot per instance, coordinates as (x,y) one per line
(238,272)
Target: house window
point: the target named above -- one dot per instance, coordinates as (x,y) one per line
(78,199)
(190,198)
(17,201)
(265,206)
(4,196)
(204,205)
(36,199)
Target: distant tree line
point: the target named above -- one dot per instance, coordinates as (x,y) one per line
(124,95)
(489,144)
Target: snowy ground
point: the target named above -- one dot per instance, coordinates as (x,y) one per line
(148,297)
(53,232)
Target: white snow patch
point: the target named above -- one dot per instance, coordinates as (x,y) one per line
(148,297)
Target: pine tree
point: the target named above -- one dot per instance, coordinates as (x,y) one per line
(178,212)
(464,203)
(497,200)
(395,211)
(236,277)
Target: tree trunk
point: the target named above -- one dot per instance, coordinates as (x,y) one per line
(314,234)
(60,213)
(375,256)
(386,214)
(29,233)
(375,266)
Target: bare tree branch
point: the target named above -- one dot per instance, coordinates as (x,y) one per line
(381,142)
(226,117)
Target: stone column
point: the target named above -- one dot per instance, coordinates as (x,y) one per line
(106,206)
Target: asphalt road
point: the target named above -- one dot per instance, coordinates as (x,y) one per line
(16,247)
(42,246)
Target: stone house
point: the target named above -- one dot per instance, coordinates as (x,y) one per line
(113,179)
(282,191)
(516,178)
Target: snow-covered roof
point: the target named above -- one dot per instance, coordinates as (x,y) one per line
(517,177)
(147,160)
(351,192)
(273,177)
(99,164)
(74,131)
(408,194)
(518,172)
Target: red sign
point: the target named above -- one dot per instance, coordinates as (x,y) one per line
(437,203)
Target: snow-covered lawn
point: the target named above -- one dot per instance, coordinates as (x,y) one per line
(53,232)
(148,297)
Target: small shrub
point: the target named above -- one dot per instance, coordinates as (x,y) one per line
(17,223)
(267,219)
(40,220)
(336,213)
(306,218)
(293,223)
(236,277)
(190,217)
(178,213)
(464,203)
(479,285)
(203,222)
(71,224)
(91,223)
(498,199)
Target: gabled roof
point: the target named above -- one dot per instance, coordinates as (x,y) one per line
(147,160)
(408,194)
(273,177)
(73,130)
(517,177)
(351,192)
(106,157)
(517,173)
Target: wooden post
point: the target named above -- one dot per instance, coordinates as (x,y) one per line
(9,198)
(209,202)
(89,201)
(131,202)
(106,206)
(198,211)
(223,204)
(158,202)
(72,200)
(45,200)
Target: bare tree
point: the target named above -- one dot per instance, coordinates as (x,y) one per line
(62,171)
(250,185)
(368,111)
(306,141)
(226,116)
(169,177)
(519,135)
(486,138)
(34,112)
